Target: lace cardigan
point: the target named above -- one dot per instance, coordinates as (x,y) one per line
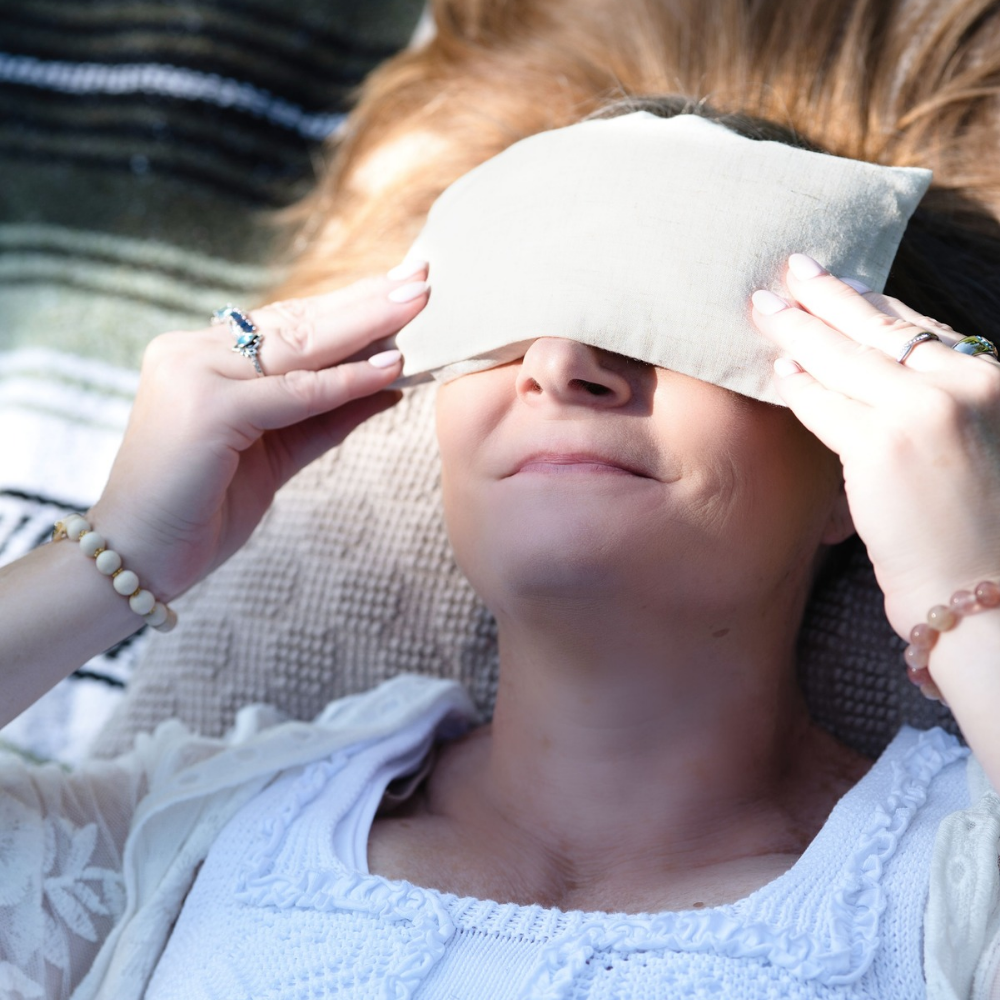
(95,864)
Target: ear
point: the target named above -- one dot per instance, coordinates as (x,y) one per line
(840,525)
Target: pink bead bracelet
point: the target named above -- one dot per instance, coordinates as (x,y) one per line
(943,618)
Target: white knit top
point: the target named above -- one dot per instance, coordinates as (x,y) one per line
(284,906)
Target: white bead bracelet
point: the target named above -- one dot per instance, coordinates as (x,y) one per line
(93,545)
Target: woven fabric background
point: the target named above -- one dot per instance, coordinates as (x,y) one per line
(144,146)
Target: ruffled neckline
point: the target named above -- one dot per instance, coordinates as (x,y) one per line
(837,948)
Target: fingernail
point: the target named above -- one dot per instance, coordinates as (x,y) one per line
(385,359)
(786,366)
(803,266)
(406,293)
(767,303)
(407,270)
(858,286)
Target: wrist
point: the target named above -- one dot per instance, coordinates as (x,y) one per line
(942,619)
(141,548)
(967,655)
(56,613)
(965,664)
(84,533)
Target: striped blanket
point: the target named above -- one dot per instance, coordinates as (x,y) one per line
(144,147)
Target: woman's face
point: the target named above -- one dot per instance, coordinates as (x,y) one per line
(576,472)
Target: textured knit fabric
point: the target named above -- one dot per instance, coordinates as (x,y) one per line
(283,906)
(963,919)
(651,233)
(95,865)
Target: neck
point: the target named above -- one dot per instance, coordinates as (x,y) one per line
(627,742)
(704,711)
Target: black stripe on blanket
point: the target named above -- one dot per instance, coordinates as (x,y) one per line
(258,160)
(26,520)
(41,499)
(157,119)
(95,675)
(217,15)
(292,56)
(238,190)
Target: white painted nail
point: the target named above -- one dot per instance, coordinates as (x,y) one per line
(767,303)
(783,367)
(858,286)
(386,359)
(803,266)
(406,293)
(407,270)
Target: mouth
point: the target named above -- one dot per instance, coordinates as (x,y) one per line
(576,463)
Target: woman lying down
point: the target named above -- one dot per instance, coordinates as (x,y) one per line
(669,386)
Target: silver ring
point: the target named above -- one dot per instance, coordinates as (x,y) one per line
(244,330)
(920,338)
(975,345)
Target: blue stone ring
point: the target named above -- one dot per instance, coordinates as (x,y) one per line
(244,331)
(976,346)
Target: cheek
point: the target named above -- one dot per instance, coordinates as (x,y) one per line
(791,483)
(756,476)
(456,421)
(468,411)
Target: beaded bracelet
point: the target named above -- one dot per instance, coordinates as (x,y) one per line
(943,618)
(77,528)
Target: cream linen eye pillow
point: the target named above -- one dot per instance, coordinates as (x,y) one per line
(645,236)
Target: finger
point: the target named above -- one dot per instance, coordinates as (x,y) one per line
(893,307)
(320,331)
(831,416)
(284,400)
(842,365)
(844,309)
(293,448)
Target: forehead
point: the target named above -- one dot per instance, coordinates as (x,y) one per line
(644,236)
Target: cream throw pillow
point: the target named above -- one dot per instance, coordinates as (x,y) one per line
(644,236)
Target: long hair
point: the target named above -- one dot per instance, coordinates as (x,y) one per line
(897,82)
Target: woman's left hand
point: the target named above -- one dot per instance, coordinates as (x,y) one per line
(919,442)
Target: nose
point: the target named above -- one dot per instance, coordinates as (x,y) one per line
(565,371)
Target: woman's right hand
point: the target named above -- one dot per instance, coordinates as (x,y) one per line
(209,441)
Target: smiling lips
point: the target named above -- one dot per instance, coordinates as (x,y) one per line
(562,463)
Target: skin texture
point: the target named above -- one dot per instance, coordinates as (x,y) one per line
(646,625)
(646,541)
(716,472)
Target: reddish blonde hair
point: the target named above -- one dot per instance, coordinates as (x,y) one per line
(902,82)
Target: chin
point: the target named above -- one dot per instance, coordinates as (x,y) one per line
(575,549)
